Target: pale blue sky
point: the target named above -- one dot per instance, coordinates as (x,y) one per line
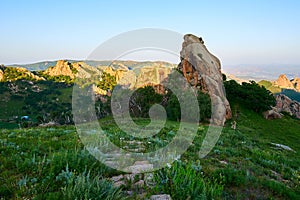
(238,32)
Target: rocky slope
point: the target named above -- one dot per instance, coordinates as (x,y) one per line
(285,104)
(203,70)
(118,73)
(152,76)
(64,68)
(15,73)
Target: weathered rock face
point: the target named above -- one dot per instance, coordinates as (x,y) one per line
(283,103)
(62,67)
(272,114)
(119,73)
(203,71)
(144,76)
(284,82)
(152,76)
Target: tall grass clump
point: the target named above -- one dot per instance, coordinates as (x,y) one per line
(185,181)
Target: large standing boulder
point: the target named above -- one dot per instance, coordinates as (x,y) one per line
(203,71)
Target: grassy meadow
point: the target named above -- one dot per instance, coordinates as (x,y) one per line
(52,163)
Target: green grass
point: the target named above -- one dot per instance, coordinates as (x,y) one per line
(52,98)
(51,163)
(269,86)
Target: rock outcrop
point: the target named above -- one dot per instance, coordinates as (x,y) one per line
(28,73)
(203,71)
(284,82)
(119,73)
(85,71)
(64,68)
(144,76)
(272,114)
(152,76)
(285,104)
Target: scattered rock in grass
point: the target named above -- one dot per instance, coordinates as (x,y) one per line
(140,183)
(140,166)
(49,124)
(284,147)
(160,197)
(141,163)
(117,178)
(223,162)
(119,183)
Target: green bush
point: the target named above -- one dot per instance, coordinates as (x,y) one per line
(108,82)
(142,100)
(251,95)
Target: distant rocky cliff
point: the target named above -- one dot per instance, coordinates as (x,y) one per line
(203,71)
(284,83)
(62,67)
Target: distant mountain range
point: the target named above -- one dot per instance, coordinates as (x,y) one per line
(262,72)
(115,64)
(140,73)
(242,72)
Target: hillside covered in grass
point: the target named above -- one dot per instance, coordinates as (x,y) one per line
(52,163)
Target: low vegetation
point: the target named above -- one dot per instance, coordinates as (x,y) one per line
(250,95)
(51,163)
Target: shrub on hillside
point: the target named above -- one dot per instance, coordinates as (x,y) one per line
(251,95)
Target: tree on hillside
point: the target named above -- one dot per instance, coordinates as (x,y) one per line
(251,95)
(108,82)
(204,103)
(142,100)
